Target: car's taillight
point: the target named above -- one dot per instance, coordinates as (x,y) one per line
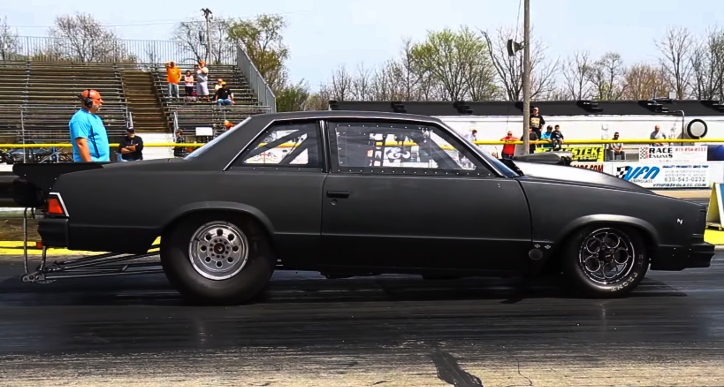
(55,207)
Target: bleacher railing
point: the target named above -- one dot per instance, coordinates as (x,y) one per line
(263,92)
(119,51)
(41,121)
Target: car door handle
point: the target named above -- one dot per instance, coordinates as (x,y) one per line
(338,194)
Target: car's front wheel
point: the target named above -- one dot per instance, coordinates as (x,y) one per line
(605,260)
(217,259)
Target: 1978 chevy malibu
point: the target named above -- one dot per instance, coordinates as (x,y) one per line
(352,193)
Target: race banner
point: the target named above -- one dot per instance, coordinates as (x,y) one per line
(665,175)
(675,154)
(580,152)
(594,166)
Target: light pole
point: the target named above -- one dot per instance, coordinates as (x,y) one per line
(207,15)
(526,75)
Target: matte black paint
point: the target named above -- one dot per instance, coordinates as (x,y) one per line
(426,222)
(324,219)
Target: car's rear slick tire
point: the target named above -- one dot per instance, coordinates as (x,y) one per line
(238,281)
(578,266)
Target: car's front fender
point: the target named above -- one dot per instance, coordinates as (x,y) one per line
(609,219)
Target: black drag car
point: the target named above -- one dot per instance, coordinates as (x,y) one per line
(350,193)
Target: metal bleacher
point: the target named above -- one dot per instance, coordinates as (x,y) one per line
(189,114)
(38,98)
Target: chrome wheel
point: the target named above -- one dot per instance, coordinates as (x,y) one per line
(606,256)
(218,250)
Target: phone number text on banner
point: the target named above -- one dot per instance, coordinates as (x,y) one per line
(579,152)
(665,175)
(680,154)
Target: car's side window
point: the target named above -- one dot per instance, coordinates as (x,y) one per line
(296,145)
(400,145)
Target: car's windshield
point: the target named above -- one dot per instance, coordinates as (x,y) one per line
(216,140)
(497,164)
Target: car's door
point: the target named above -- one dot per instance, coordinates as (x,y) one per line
(427,203)
(280,175)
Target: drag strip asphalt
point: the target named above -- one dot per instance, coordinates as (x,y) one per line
(386,331)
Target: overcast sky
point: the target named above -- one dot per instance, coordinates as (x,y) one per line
(323,34)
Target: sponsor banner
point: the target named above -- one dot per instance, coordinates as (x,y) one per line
(665,175)
(676,154)
(580,152)
(594,166)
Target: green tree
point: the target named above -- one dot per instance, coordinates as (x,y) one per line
(457,63)
(263,41)
(293,97)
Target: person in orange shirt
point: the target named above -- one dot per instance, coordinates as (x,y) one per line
(509,149)
(173,77)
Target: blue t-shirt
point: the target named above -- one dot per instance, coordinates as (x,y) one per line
(546,136)
(85,124)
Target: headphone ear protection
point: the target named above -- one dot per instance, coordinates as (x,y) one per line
(87,100)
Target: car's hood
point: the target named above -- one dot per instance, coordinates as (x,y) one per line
(572,174)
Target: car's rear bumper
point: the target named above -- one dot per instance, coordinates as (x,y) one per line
(698,254)
(60,232)
(53,232)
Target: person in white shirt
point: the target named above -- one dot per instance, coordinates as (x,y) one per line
(472,136)
(657,134)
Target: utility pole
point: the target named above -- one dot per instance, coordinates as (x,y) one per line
(207,15)
(526,75)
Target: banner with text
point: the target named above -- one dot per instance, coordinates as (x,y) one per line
(665,175)
(600,167)
(580,152)
(673,154)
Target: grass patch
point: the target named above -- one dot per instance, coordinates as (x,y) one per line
(12,230)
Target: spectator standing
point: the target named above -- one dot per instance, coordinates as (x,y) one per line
(202,81)
(537,121)
(472,136)
(657,134)
(87,132)
(508,149)
(179,151)
(131,147)
(173,77)
(532,136)
(189,84)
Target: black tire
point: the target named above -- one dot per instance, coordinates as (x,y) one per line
(585,283)
(246,275)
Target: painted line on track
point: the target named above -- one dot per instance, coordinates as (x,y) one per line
(16,248)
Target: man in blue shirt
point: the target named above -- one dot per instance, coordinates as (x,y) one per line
(87,132)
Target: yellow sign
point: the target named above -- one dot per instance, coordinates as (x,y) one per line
(580,153)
